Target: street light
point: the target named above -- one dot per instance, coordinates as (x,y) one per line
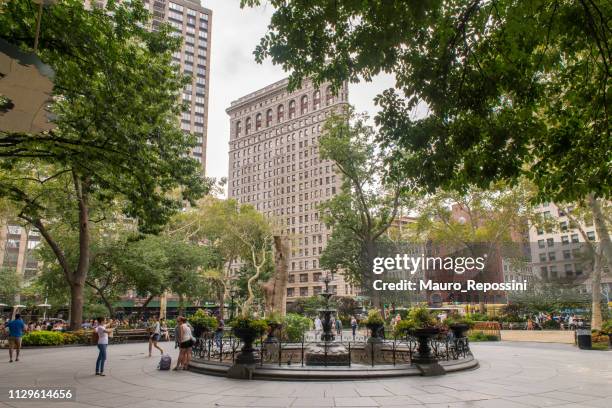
(46,306)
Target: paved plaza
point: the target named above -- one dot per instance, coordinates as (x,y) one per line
(511,375)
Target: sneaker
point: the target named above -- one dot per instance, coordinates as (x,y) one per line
(102,375)
(10,361)
(97,373)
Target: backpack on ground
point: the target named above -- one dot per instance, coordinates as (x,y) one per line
(165,362)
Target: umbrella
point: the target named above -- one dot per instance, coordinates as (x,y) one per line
(3,305)
(19,306)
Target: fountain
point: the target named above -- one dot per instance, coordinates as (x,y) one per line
(327,352)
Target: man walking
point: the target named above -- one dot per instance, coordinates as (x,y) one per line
(16,328)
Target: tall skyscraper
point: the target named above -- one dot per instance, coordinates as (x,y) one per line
(193,23)
(274,165)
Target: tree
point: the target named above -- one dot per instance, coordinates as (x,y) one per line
(485,222)
(254,233)
(581,215)
(116,140)
(210,223)
(367,204)
(10,283)
(512,88)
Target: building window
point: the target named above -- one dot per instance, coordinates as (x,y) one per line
(290,292)
(329,96)
(303,292)
(550,242)
(247,126)
(304,105)
(258,121)
(552,256)
(291,279)
(591,235)
(575,238)
(316,290)
(541,243)
(238,128)
(565,240)
(280,113)
(567,254)
(269,118)
(543,257)
(316,277)
(303,277)
(316,100)
(291,109)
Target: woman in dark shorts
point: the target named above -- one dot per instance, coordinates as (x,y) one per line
(155,335)
(185,341)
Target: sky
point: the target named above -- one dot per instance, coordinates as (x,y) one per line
(234,73)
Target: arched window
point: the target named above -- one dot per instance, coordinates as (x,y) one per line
(280,113)
(291,109)
(269,118)
(258,121)
(329,96)
(316,100)
(304,105)
(238,128)
(247,129)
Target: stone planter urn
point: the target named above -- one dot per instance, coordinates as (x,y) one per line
(459,330)
(272,329)
(199,331)
(423,354)
(248,336)
(375,332)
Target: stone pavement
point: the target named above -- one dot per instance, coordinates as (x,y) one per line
(511,375)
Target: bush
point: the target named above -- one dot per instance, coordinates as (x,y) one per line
(402,327)
(606,327)
(456,319)
(551,325)
(421,318)
(203,321)
(259,326)
(70,338)
(480,336)
(374,318)
(43,338)
(295,326)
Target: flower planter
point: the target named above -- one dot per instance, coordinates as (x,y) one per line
(423,354)
(199,331)
(459,330)
(375,332)
(248,336)
(273,327)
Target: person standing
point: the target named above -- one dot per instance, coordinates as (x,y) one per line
(318,327)
(339,327)
(102,333)
(16,328)
(155,336)
(185,341)
(353,326)
(219,333)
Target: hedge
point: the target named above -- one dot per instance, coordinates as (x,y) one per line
(43,338)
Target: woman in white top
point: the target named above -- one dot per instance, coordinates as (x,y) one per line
(102,333)
(155,335)
(185,341)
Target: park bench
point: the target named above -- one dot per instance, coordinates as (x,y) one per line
(130,335)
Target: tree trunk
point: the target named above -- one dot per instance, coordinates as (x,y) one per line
(368,278)
(80,274)
(602,229)
(143,308)
(76,305)
(596,318)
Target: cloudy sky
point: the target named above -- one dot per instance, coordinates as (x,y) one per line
(234,73)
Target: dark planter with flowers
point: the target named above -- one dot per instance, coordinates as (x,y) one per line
(248,330)
(424,336)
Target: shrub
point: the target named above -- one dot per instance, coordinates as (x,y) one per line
(606,327)
(203,321)
(402,327)
(259,326)
(374,318)
(551,325)
(43,338)
(70,338)
(421,318)
(456,319)
(170,323)
(480,336)
(295,326)
(274,318)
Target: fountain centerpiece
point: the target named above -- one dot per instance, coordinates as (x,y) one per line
(327,352)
